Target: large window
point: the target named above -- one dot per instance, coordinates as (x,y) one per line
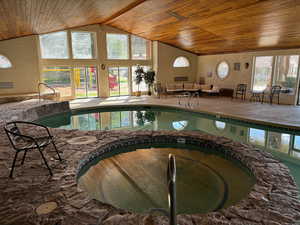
(83,45)
(140,48)
(59,78)
(262,73)
(54,45)
(284,72)
(117,46)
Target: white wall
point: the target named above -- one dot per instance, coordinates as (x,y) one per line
(208,63)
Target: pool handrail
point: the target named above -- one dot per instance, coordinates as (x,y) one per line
(171,182)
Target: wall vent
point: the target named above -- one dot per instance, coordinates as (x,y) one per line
(6,85)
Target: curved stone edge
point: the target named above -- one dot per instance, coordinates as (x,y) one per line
(272,200)
(31,111)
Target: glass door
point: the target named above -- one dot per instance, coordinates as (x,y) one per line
(85,81)
(118,81)
(123,79)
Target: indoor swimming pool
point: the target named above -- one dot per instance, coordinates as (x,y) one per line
(284,144)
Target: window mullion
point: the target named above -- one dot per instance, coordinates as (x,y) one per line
(69,44)
(274,67)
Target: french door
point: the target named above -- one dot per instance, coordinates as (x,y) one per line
(118,79)
(85,81)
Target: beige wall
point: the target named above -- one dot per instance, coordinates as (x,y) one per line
(209,63)
(22,52)
(166,55)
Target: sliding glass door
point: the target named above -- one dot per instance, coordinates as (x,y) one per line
(118,81)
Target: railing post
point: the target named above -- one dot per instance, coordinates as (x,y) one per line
(171,180)
(39,88)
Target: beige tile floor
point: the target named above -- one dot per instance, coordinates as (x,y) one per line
(278,115)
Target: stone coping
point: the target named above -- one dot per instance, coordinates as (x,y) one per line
(32,110)
(224,115)
(272,200)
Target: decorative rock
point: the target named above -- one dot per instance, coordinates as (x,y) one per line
(46,208)
(83,140)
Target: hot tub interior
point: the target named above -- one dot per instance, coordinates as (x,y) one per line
(137,180)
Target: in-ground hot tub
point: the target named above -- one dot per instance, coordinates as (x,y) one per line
(133,177)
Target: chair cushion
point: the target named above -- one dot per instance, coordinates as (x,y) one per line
(205,86)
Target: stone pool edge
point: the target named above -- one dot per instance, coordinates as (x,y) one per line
(272,200)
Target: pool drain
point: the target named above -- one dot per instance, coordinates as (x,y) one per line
(46,208)
(83,140)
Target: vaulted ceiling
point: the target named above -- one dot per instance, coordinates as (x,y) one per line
(199,26)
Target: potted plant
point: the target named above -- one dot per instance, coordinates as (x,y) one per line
(139,73)
(140,120)
(149,116)
(149,79)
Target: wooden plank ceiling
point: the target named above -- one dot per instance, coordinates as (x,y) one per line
(199,26)
(26,17)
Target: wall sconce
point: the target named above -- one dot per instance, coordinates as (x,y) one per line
(246,65)
(103,66)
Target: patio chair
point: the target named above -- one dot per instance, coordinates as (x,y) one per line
(23,143)
(275,90)
(241,90)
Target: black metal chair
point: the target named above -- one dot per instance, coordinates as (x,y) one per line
(275,91)
(241,90)
(24,143)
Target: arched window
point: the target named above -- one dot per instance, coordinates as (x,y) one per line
(4,62)
(220,125)
(181,62)
(179,125)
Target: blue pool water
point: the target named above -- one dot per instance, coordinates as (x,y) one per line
(284,144)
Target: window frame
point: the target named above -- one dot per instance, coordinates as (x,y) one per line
(186,58)
(128,45)
(223,61)
(274,65)
(11,64)
(69,46)
(148,48)
(94,35)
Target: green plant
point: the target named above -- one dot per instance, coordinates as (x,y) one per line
(140,120)
(149,116)
(139,73)
(149,78)
(290,82)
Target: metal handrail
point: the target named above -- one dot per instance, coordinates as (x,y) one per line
(46,85)
(171,181)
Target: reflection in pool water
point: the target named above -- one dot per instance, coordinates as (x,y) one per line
(283,144)
(137,180)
